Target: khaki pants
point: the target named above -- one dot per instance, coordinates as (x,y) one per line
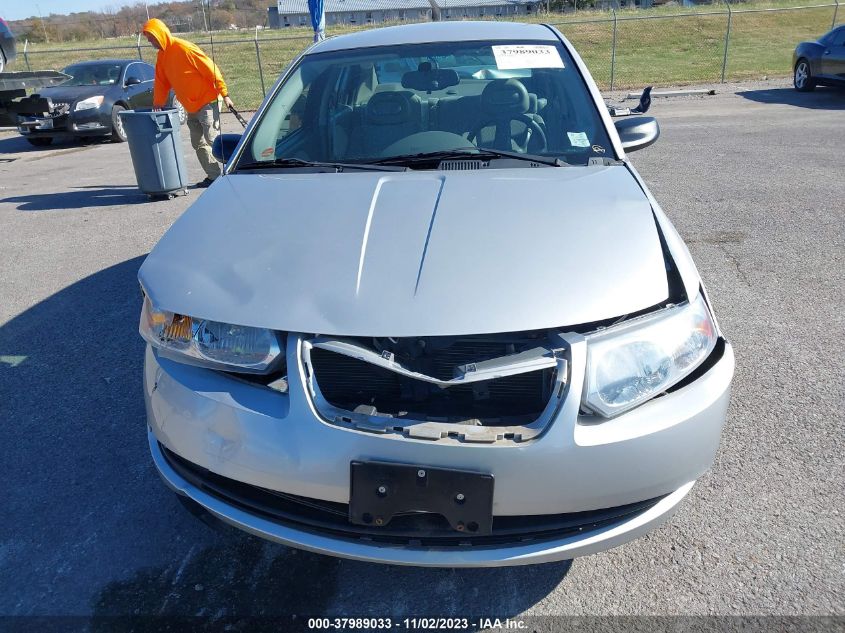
(204,125)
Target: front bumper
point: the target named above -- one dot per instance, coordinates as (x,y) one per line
(91,122)
(276,441)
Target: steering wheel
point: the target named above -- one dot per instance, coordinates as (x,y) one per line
(531,124)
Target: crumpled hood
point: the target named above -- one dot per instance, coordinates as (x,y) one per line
(416,253)
(70,94)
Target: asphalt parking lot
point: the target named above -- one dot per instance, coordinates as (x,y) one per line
(752,179)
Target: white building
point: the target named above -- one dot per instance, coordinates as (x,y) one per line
(295,12)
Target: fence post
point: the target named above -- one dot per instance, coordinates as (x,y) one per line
(25,56)
(258,59)
(138,46)
(613,50)
(727,39)
(835,13)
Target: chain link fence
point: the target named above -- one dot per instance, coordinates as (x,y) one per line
(716,45)
(623,49)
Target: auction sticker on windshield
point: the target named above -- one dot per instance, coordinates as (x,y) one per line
(527,56)
(578,139)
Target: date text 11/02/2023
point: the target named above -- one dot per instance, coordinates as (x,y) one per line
(419,623)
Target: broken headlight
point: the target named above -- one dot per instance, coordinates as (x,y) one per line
(210,343)
(631,363)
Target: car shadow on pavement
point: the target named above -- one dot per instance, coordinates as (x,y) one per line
(823,98)
(246,580)
(79,198)
(14,144)
(95,531)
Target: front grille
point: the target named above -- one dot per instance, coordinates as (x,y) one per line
(348,383)
(414,529)
(60,108)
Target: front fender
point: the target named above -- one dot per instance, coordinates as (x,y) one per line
(812,52)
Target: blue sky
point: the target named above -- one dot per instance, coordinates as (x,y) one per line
(19,9)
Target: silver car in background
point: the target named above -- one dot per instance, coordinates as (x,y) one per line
(431,315)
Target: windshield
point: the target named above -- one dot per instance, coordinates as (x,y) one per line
(376,104)
(92,74)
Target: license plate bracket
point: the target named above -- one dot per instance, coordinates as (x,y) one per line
(381,490)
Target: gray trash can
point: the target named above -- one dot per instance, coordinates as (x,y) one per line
(156,148)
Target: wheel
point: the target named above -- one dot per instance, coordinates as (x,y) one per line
(183,114)
(803,78)
(40,141)
(118,133)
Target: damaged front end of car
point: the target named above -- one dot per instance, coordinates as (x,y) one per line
(486,389)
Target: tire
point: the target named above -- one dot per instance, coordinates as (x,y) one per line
(802,78)
(183,114)
(40,141)
(118,134)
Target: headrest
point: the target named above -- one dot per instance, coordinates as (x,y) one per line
(391,108)
(504,97)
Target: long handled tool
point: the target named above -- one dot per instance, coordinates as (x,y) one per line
(642,108)
(237,115)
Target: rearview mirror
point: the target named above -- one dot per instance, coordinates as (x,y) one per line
(131,81)
(428,79)
(637,132)
(224,146)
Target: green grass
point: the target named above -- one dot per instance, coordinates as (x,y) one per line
(677,45)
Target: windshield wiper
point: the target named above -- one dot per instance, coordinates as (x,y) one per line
(301,162)
(468,152)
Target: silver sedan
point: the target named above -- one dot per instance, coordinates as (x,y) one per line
(431,315)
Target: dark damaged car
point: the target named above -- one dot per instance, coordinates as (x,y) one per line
(88,103)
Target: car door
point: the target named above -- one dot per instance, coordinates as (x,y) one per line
(833,56)
(145,97)
(134,87)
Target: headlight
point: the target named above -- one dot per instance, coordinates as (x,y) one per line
(210,343)
(89,104)
(634,362)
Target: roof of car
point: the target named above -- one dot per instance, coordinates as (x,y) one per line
(436,32)
(97,62)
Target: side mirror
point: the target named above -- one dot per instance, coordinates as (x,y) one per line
(224,146)
(132,81)
(637,132)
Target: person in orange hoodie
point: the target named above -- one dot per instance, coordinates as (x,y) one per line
(196,80)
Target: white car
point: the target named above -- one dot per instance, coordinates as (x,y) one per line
(431,315)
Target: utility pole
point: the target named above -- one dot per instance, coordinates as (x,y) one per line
(204,20)
(43,28)
(147,7)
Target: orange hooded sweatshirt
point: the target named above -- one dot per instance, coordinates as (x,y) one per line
(184,67)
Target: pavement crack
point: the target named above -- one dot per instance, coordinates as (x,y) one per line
(177,577)
(733,259)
